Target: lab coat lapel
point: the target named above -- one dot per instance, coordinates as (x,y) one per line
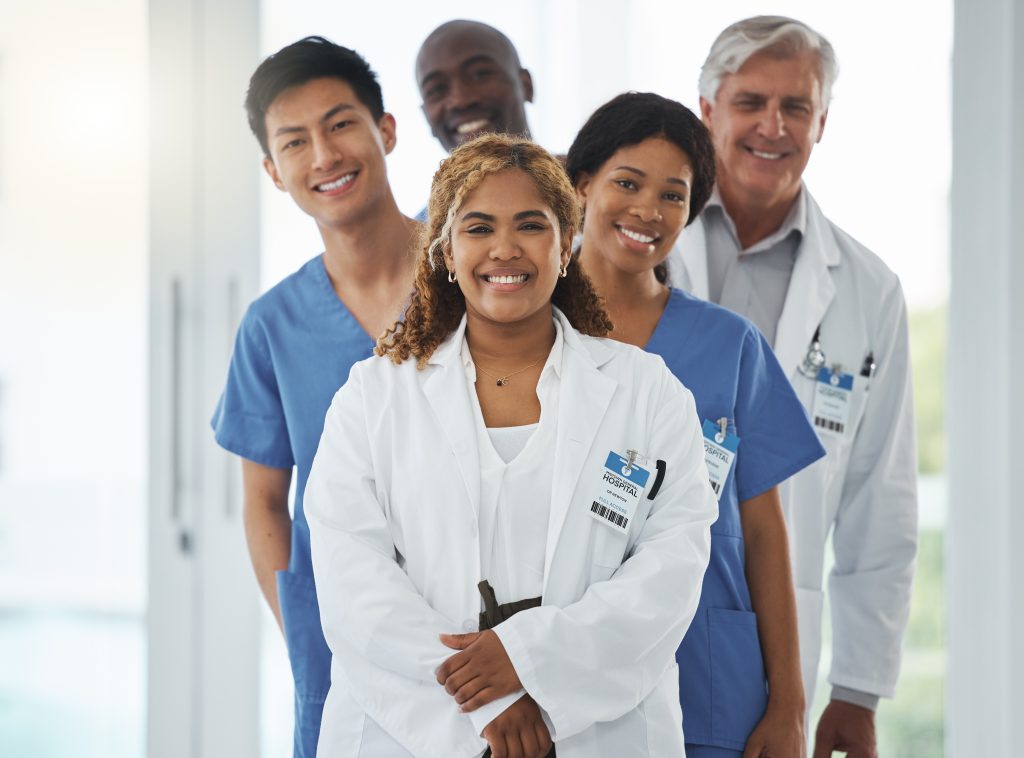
(583,401)
(693,261)
(810,292)
(444,385)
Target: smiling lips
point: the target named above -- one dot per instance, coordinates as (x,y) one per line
(637,240)
(336,184)
(505,280)
(637,236)
(469,127)
(764,155)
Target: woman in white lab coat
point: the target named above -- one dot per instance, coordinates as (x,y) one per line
(494,455)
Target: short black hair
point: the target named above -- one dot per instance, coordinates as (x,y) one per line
(309,58)
(633,117)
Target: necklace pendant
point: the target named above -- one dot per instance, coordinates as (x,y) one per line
(502,382)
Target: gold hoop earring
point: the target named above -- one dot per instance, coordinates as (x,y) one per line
(451,277)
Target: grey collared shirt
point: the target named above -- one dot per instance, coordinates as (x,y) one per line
(752,282)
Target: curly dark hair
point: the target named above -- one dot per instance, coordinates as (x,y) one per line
(436,306)
(633,117)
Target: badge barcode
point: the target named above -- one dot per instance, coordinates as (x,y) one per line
(616,518)
(832,426)
(716,487)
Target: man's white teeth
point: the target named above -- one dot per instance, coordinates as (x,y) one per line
(336,184)
(637,237)
(766,156)
(517,279)
(471,126)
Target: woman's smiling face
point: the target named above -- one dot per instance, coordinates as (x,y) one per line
(636,204)
(506,250)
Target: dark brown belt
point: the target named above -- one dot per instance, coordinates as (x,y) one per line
(493,614)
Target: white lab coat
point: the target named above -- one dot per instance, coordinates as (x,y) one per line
(392,505)
(865,489)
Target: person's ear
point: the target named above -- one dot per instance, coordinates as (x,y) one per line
(388,132)
(582,186)
(527,81)
(705,111)
(821,125)
(271,169)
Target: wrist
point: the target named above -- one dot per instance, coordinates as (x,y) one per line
(787,704)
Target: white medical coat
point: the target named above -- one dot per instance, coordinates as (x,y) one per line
(865,489)
(392,504)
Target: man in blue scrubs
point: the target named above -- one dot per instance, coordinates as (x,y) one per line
(316,110)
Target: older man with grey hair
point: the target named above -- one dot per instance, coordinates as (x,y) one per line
(836,317)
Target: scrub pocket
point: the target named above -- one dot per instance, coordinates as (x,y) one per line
(739,692)
(309,656)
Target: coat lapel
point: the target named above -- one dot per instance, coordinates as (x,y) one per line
(583,401)
(444,384)
(810,292)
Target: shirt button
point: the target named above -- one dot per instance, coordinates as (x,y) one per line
(469,625)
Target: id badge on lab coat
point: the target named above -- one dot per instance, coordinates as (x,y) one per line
(719,452)
(832,394)
(619,491)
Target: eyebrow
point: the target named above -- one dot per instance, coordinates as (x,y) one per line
(638,172)
(326,117)
(760,97)
(518,217)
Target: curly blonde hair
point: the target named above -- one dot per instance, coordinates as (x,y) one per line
(436,305)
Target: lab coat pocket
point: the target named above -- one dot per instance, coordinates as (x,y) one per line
(609,553)
(307,649)
(739,693)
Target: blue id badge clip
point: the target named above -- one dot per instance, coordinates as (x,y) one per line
(720,446)
(619,491)
(832,393)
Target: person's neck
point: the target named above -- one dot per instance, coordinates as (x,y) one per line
(374,250)
(507,347)
(622,291)
(755,217)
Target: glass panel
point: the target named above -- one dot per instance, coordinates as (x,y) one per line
(73,339)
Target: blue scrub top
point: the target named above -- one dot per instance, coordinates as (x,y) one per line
(293,352)
(732,372)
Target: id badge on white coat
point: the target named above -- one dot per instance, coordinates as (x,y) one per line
(832,394)
(720,448)
(619,490)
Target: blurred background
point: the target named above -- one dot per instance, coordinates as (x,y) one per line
(135,224)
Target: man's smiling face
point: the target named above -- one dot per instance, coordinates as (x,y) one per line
(765,120)
(471,82)
(327,151)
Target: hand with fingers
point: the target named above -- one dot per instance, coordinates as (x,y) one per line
(847,728)
(780,734)
(480,673)
(519,732)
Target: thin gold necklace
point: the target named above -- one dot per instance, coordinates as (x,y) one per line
(502,381)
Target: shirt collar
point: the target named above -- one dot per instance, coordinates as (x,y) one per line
(795,221)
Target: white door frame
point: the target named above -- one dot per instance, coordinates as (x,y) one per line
(203,618)
(985,406)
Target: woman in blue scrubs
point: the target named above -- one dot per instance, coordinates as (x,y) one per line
(643,167)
